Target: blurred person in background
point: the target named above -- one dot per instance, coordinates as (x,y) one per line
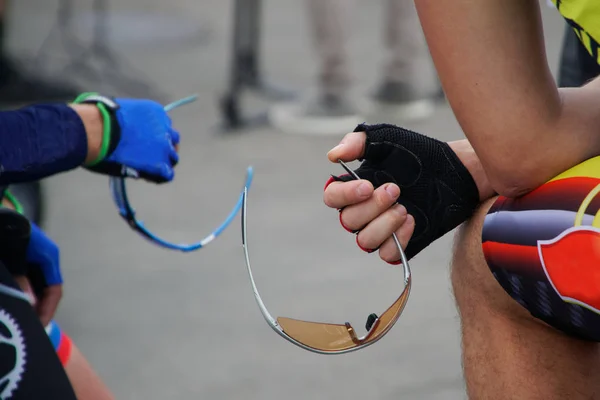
(408,87)
(17,85)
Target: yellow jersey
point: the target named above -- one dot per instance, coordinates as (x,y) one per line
(584,17)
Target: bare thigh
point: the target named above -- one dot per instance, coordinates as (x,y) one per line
(507,353)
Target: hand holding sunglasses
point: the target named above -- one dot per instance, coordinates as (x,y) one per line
(413,185)
(118,187)
(328,338)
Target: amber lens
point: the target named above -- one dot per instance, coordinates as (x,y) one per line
(339,337)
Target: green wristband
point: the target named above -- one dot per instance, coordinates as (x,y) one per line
(13,200)
(106,127)
(105,135)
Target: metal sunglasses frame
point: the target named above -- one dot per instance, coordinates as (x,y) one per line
(272,322)
(118,191)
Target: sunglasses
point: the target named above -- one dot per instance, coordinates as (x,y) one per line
(118,190)
(327,338)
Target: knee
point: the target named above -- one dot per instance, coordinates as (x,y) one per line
(515,290)
(475,287)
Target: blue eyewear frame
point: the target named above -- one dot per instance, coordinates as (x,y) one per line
(118,190)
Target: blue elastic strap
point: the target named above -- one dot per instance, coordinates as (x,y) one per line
(54,333)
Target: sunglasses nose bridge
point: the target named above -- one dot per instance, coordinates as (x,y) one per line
(371,325)
(352,333)
(355,339)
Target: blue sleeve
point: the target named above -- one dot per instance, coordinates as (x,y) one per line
(39,141)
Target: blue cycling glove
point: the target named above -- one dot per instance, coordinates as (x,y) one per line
(26,250)
(139,140)
(43,253)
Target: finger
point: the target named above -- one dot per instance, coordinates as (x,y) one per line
(48,304)
(381,228)
(175,137)
(25,286)
(341,194)
(159,173)
(357,216)
(351,147)
(173,156)
(167,172)
(388,251)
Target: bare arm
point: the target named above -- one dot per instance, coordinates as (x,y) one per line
(492,63)
(85,382)
(92,121)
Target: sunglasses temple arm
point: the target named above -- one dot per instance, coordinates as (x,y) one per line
(349,170)
(261,305)
(404,260)
(180,102)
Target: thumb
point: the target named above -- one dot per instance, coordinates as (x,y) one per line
(350,148)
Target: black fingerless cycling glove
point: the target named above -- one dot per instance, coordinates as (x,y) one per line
(436,188)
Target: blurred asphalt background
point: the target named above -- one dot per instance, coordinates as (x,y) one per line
(163,325)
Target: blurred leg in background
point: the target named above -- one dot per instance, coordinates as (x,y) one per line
(330,35)
(330,110)
(577,66)
(17,86)
(408,84)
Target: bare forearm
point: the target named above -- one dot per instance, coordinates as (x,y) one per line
(86,383)
(576,136)
(93,123)
(552,144)
(471,161)
(519,160)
